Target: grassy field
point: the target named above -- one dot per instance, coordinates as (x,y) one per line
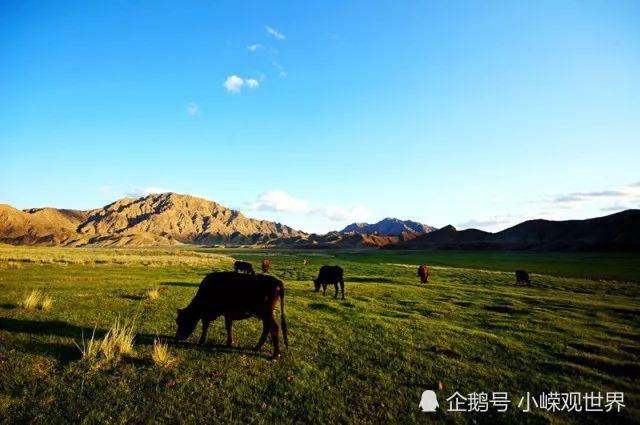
(363,360)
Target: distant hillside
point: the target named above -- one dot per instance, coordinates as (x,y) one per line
(42,226)
(174,219)
(616,232)
(388,227)
(164,219)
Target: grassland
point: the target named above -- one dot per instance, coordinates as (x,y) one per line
(363,360)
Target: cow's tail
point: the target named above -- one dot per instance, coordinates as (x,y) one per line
(283,321)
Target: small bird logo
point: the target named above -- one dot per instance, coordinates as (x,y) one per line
(429,401)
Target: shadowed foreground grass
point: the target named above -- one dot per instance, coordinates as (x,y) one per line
(363,360)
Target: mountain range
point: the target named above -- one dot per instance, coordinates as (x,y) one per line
(175,219)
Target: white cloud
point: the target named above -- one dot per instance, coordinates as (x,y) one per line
(193,109)
(138,192)
(277,34)
(234,84)
(254,47)
(252,83)
(279,201)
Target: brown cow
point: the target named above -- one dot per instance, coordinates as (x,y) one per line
(265,266)
(235,296)
(423,273)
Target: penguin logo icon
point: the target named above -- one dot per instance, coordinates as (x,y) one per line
(429,401)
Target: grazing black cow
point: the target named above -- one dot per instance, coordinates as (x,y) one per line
(330,275)
(423,273)
(244,267)
(522,278)
(235,296)
(265,266)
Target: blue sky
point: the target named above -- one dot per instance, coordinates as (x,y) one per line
(478,114)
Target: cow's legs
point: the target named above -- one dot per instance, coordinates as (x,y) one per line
(342,287)
(324,289)
(205,327)
(335,285)
(265,333)
(228,322)
(275,335)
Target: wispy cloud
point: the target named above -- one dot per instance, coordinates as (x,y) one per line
(138,192)
(254,47)
(590,196)
(281,71)
(277,34)
(282,202)
(357,213)
(490,223)
(193,109)
(615,208)
(252,83)
(234,83)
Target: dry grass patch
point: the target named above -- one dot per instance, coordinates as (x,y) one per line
(153,294)
(32,300)
(117,342)
(46,303)
(90,348)
(161,355)
(36,300)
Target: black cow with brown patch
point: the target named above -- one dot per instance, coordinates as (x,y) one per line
(235,296)
(330,275)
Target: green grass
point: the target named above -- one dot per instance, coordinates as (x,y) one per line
(363,360)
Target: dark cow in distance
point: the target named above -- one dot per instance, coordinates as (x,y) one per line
(235,296)
(423,273)
(244,267)
(330,275)
(522,278)
(265,266)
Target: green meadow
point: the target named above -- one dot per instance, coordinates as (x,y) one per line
(366,359)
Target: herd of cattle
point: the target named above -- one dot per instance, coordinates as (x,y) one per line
(242,293)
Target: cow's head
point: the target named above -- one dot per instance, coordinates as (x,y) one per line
(316,283)
(186,324)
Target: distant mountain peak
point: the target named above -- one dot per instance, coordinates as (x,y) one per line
(389,226)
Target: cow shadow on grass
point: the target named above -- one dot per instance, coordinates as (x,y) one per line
(182,284)
(372,279)
(69,352)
